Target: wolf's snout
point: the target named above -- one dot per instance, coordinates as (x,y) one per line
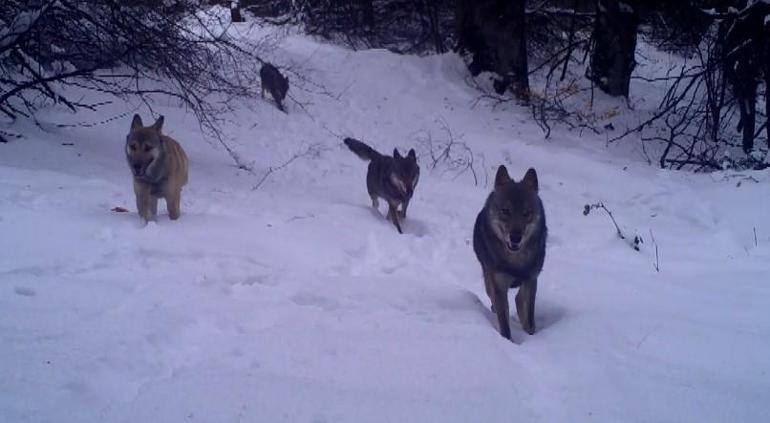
(137,169)
(515,240)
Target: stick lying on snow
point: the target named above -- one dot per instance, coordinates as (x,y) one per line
(634,242)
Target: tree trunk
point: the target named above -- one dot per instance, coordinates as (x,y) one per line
(766,71)
(614,45)
(518,58)
(434,26)
(748,108)
(745,46)
(767,99)
(367,12)
(235,12)
(494,32)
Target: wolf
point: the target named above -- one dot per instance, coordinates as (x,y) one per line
(509,241)
(393,179)
(272,81)
(159,167)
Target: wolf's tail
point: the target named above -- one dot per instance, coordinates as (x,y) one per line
(361,150)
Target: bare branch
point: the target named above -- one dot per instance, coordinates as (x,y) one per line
(311,150)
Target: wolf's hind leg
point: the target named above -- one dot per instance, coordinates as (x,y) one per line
(172,204)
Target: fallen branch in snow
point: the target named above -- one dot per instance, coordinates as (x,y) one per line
(5,136)
(311,150)
(293,218)
(449,151)
(234,155)
(741,178)
(657,257)
(485,94)
(634,242)
(301,106)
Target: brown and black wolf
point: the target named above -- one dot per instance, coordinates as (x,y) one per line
(159,167)
(390,178)
(509,241)
(277,84)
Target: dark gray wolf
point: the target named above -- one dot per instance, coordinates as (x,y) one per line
(509,242)
(159,167)
(275,83)
(390,178)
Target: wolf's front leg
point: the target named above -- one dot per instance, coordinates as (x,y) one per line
(525,305)
(404,205)
(393,216)
(500,304)
(146,204)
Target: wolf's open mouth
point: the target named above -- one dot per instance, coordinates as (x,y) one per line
(512,246)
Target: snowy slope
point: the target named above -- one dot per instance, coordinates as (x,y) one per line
(295,302)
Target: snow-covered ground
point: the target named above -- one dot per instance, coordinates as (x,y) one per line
(295,302)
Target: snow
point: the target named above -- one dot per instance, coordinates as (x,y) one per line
(296,302)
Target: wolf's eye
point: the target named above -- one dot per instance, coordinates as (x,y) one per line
(528,214)
(505,212)
(147,148)
(132,147)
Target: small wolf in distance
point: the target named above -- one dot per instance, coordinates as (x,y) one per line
(159,167)
(390,178)
(509,241)
(277,84)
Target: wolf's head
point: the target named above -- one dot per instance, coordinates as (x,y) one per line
(515,210)
(405,173)
(144,147)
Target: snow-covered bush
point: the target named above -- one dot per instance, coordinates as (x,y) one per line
(52,50)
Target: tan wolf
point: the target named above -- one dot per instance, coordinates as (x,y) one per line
(159,166)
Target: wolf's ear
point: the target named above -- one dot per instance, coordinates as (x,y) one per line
(158,125)
(136,122)
(530,179)
(502,178)
(412,155)
(396,154)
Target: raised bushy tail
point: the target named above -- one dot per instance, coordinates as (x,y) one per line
(360,149)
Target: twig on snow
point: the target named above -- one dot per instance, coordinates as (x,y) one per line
(634,242)
(657,257)
(311,150)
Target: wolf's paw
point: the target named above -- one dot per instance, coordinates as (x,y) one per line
(530,329)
